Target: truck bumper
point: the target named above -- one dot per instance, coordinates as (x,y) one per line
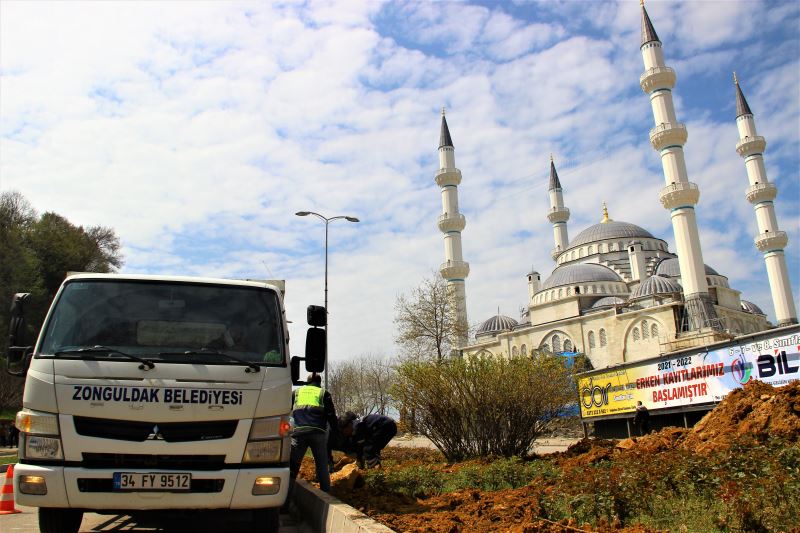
(91,489)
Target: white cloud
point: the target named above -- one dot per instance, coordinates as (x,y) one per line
(196,130)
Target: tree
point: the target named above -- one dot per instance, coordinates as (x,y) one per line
(427,321)
(361,385)
(482,405)
(35,255)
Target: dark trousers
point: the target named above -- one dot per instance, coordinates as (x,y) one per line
(318,442)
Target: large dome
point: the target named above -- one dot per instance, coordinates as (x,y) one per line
(495,325)
(579,273)
(610,230)
(670,268)
(655,285)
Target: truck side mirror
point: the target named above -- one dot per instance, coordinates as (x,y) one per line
(315,349)
(317,316)
(18,350)
(295,365)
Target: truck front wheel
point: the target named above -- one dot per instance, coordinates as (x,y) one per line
(59,520)
(267,520)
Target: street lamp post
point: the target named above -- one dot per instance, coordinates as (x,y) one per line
(327,221)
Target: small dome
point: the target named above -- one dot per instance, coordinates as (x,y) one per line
(579,273)
(607,301)
(655,285)
(670,268)
(750,307)
(610,230)
(495,325)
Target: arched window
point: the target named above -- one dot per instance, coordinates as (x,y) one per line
(601,248)
(560,293)
(645,331)
(654,331)
(545,347)
(635,334)
(523,350)
(603,340)
(591,249)
(556,340)
(567,346)
(581,252)
(569,291)
(514,351)
(591,339)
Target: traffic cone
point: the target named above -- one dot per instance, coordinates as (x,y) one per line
(7,493)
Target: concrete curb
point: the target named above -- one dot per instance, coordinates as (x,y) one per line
(318,512)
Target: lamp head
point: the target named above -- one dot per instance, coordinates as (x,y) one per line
(302,213)
(352,219)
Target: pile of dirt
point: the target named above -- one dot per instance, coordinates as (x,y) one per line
(511,510)
(758,411)
(755,412)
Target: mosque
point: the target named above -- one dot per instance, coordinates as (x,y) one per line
(617,293)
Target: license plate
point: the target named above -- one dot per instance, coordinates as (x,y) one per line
(137,481)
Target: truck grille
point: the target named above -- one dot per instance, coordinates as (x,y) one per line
(136,431)
(107,485)
(157,462)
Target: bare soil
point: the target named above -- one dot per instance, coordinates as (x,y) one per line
(753,414)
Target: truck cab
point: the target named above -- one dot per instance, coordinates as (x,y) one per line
(156,392)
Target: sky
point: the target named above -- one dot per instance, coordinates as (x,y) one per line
(197,129)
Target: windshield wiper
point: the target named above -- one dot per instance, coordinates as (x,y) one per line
(146,363)
(251,366)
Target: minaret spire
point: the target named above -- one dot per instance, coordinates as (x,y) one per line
(648,31)
(451,223)
(680,195)
(741,104)
(761,193)
(558,214)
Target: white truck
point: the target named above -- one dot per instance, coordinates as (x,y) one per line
(155,392)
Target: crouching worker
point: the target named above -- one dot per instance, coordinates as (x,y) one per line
(366,437)
(312,410)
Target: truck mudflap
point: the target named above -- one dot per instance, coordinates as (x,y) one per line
(95,489)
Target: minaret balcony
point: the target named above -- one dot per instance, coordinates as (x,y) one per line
(679,194)
(555,252)
(751,145)
(761,192)
(657,78)
(447,176)
(454,269)
(668,134)
(558,214)
(771,240)
(451,222)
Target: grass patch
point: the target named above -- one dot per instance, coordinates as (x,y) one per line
(8,459)
(753,487)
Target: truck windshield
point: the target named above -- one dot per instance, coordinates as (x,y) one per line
(164,321)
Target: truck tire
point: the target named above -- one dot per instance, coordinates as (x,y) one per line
(59,520)
(267,520)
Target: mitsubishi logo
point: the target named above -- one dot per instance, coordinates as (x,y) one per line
(156,434)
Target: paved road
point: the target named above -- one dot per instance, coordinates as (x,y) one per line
(195,521)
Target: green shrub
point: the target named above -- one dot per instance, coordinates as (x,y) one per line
(481,406)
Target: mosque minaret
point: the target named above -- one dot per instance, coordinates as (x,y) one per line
(761,193)
(451,223)
(558,214)
(680,195)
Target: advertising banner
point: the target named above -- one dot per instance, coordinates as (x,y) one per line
(689,379)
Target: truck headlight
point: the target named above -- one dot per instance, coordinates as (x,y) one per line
(263,451)
(37,447)
(40,437)
(270,428)
(268,441)
(37,423)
